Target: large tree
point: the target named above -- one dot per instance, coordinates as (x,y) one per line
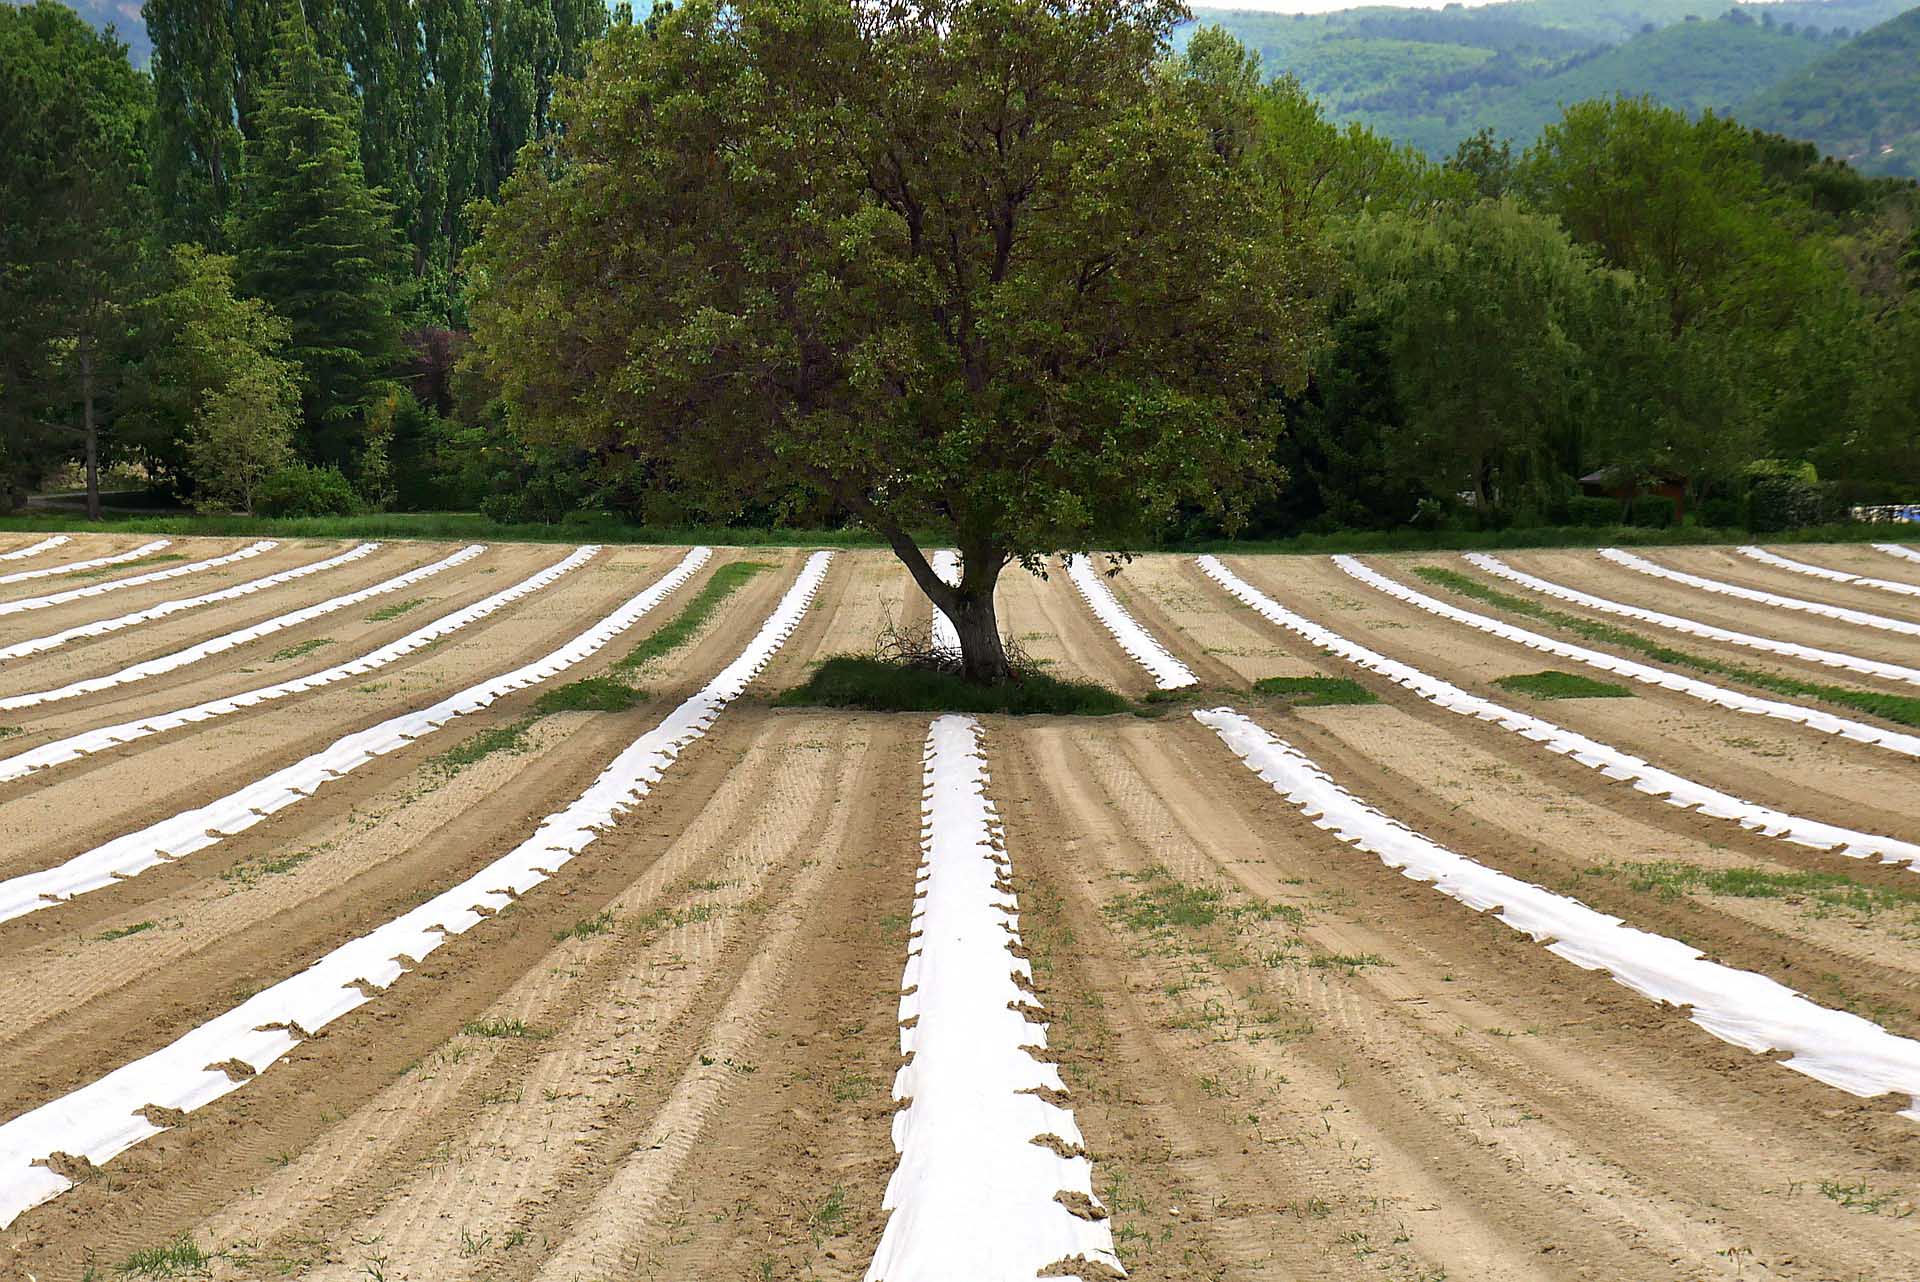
(72,214)
(317,244)
(981,271)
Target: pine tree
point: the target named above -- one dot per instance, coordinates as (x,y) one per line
(317,244)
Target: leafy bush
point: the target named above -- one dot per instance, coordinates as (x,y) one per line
(301,490)
(853,681)
(1593,513)
(1651,512)
(1722,512)
(1778,503)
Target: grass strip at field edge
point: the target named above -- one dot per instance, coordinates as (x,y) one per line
(1902,709)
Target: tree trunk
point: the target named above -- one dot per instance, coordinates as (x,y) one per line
(91,430)
(983,656)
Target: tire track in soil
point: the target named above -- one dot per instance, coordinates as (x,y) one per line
(157,1189)
(1483,791)
(381,841)
(474,1162)
(1499,1155)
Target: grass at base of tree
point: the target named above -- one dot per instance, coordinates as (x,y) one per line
(1553,684)
(473,527)
(680,629)
(856,681)
(1900,708)
(592,694)
(1315,692)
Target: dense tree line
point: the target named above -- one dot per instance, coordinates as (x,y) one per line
(252,274)
(246,252)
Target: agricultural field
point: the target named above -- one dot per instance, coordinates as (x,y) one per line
(436,911)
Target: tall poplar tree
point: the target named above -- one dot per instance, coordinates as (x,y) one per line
(317,244)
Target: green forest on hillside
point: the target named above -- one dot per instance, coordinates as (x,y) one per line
(1860,102)
(1433,77)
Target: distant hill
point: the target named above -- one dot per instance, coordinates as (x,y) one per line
(1861,102)
(1432,77)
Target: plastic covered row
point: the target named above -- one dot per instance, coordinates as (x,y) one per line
(108,1116)
(1822,572)
(987,1161)
(1168,673)
(1749,1010)
(74,567)
(34,549)
(1722,588)
(946,564)
(101,627)
(215,645)
(137,580)
(194,830)
(1733,700)
(1674,789)
(1706,631)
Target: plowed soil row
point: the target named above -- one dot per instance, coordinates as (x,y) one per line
(673,1060)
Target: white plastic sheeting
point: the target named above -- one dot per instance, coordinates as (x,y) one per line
(74,567)
(203,826)
(103,1119)
(227,641)
(34,549)
(60,751)
(1778,602)
(1822,572)
(1895,549)
(1859,731)
(1168,673)
(1706,631)
(102,627)
(1738,1006)
(1674,789)
(975,1198)
(946,564)
(138,580)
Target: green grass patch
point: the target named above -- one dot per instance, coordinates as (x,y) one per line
(587,927)
(1162,901)
(593,694)
(855,681)
(1671,879)
(680,629)
(179,1258)
(1899,708)
(121,932)
(254,871)
(7,732)
(1553,684)
(1315,692)
(498,1027)
(101,571)
(508,738)
(1349,962)
(301,649)
(395,610)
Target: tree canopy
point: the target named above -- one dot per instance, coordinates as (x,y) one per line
(979,270)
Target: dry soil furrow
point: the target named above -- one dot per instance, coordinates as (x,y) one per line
(1554,823)
(1043,616)
(470,1162)
(298,651)
(261,905)
(44,821)
(1535,1148)
(226,1146)
(92,656)
(1779,764)
(284,555)
(1594,574)
(1728,566)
